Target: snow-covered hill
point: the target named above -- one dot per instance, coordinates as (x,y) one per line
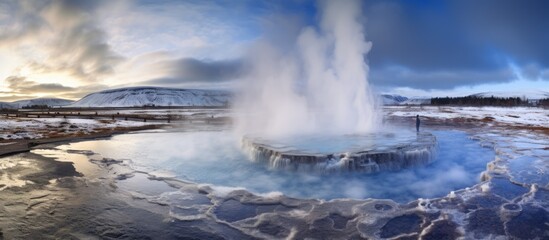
(157,96)
(417,101)
(5,105)
(393,99)
(390,99)
(50,102)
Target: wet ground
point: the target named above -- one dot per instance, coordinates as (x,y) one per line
(45,195)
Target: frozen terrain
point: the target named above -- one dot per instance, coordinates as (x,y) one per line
(491,182)
(514,116)
(25,128)
(154,96)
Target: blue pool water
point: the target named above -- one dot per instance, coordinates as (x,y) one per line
(328,144)
(215,157)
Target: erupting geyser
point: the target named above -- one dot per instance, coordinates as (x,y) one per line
(319,84)
(315,87)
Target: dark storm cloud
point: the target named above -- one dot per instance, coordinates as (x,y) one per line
(22,88)
(421,38)
(426,44)
(446,44)
(49,88)
(193,70)
(439,80)
(22,85)
(517,27)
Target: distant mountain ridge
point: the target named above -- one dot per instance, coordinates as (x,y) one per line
(159,96)
(394,99)
(390,99)
(50,102)
(154,96)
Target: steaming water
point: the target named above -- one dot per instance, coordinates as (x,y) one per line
(328,144)
(215,157)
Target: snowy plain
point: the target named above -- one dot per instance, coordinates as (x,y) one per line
(35,128)
(525,116)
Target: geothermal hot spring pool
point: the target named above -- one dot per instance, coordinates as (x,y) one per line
(216,157)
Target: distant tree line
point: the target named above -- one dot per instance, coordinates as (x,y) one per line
(35,107)
(544,102)
(480,101)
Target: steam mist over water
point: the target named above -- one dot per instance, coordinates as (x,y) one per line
(318,86)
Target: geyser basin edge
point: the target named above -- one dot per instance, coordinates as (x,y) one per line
(368,153)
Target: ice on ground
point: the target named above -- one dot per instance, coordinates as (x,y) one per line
(508,200)
(34,128)
(532,116)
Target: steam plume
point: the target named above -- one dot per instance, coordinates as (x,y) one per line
(320,87)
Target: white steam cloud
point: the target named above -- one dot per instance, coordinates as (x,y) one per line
(318,86)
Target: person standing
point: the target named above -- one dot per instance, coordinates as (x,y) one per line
(417,122)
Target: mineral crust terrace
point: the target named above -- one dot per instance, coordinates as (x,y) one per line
(418,151)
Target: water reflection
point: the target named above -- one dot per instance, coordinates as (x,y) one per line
(215,157)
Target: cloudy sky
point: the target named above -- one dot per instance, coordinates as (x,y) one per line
(68,48)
